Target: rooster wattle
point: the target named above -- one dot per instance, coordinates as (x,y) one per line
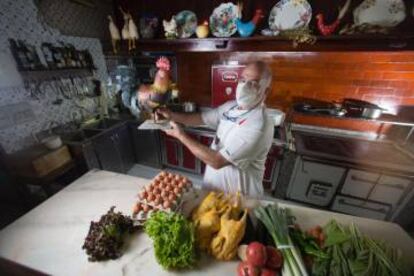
(329,29)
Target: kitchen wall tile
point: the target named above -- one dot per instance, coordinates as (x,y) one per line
(19,20)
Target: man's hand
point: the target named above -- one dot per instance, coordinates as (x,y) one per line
(176,131)
(165,113)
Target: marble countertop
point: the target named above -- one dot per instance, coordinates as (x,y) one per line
(49,238)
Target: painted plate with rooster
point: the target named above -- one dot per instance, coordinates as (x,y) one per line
(223,20)
(290,15)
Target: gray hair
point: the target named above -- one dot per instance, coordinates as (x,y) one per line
(265,74)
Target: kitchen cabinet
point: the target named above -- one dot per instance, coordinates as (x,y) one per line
(189,161)
(272,166)
(360,207)
(124,144)
(313,182)
(390,190)
(359,183)
(171,151)
(146,144)
(108,153)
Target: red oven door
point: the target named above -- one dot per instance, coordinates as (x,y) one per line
(224,80)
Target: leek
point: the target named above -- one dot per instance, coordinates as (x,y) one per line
(275,220)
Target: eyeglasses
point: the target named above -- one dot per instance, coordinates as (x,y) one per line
(253,83)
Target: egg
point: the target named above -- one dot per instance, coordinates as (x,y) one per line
(143,195)
(137,208)
(177,190)
(145,208)
(166,204)
(157,196)
(168,188)
(181,185)
(172,197)
(157,201)
(164,194)
(163,173)
(177,178)
(151,197)
(174,183)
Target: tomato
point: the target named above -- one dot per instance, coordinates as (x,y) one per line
(268,272)
(274,258)
(247,269)
(256,254)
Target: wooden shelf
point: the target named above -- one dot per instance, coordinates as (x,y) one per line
(263,43)
(43,74)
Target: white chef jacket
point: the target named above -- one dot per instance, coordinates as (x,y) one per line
(244,139)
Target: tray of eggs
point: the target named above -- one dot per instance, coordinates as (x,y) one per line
(166,192)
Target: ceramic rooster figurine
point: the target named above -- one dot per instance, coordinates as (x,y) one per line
(329,29)
(125,28)
(115,35)
(157,94)
(246,29)
(130,30)
(170,28)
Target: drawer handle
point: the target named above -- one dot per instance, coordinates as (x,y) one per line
(381,210)
(222,44)
(356,178)
(397,186)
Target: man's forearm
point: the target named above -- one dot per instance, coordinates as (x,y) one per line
(193,119)
(204,153)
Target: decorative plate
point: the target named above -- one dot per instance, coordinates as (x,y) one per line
(223,20)
(290,15)
(383,13)
(186,23)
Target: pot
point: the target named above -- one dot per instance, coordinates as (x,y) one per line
(189,107)
(52,142)
(362,109)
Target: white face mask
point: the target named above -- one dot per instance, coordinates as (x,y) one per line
(247,95)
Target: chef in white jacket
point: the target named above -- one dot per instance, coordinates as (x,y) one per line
(244,133)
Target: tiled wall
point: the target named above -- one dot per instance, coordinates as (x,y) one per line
(384,78)
(19,20)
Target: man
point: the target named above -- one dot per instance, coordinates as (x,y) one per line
(236,159)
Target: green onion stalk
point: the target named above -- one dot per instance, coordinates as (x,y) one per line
(275,220)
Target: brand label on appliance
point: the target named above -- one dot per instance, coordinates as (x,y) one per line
(229,76)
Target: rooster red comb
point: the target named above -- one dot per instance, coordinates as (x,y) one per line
(163,63)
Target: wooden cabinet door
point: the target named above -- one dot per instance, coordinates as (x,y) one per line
(171,151)
(189,161)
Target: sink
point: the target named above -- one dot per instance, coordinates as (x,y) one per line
(81,135)
(102,124)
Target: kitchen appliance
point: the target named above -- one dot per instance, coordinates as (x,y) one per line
(189,107)
(314,182)
(224,78)
(333,109)
(358,108)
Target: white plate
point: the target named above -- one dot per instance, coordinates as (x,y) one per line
(223,20)
(290,15)
(384,13)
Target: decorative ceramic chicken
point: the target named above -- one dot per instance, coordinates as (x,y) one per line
(115,35)
(170,28)
(329,29)
(156,95)
(125,28)
(202,30)
(133,32)
(246,29)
